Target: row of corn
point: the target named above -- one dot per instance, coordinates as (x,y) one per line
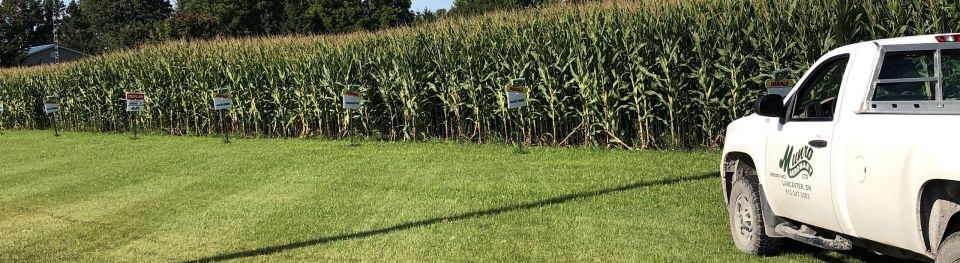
(637,74)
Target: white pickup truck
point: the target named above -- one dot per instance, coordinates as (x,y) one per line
(864,151)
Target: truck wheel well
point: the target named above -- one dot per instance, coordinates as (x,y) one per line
(953,226)
(939,211)
(730,162)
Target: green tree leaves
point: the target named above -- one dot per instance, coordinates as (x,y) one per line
(123,24)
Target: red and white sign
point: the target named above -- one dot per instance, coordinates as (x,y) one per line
(351,99)
(136,101)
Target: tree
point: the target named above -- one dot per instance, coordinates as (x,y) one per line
(331,16)
(10,49)
(21,21)
(76,32)
(257,17)
(123,24)
(387,13)
(297,18)
(51,14)
(238,17)
(471,7)
(427,15)
(185,26)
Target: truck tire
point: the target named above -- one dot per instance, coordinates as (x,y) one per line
(746,220)
(950,249)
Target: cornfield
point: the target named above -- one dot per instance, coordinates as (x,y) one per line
(640,74)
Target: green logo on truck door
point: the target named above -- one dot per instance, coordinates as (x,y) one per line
(797,163)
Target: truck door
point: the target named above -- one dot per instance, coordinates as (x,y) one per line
(798,153)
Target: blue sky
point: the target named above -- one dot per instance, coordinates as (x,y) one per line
(417,4)
(431,4)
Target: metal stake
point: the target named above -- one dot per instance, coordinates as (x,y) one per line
(223,125)
(56,131)
(351,129)
(136,125)
(520,134)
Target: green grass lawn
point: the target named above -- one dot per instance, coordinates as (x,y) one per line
(107,198)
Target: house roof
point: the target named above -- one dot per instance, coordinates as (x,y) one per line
(38,49)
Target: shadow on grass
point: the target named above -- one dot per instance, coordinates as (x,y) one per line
(454,218)
(797,248)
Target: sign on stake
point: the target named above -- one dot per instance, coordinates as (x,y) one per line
(51,106)
(351,101)
(516,94)
(221,99)
(780,86)
(222,102)
(351,98)
(517,99)
(136,102)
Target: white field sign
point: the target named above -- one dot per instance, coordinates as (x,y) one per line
(351,99)
(51,105)
(516,96)
(1,107)
(221,100)
(136,101)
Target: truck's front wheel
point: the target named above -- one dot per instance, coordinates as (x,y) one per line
(950,249)
(746,220)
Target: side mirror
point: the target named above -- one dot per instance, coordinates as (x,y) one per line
(770,106)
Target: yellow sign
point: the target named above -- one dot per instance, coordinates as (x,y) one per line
(516,89)
(784,83)
(353,93)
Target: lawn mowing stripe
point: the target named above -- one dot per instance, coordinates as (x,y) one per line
(626,219)
(111,167)
(221,219)
(192,203)
(67,178)
(447,219)
(132,221)
(129,206)
(24,227)
(35,164)
(19,180)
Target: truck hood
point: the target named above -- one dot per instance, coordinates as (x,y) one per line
(752,120)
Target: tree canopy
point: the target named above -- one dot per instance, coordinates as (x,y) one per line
(470,7)
(98,26)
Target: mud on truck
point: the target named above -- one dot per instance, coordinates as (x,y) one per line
(864,151)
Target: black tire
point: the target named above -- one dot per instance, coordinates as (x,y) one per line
(949,251)
(746,220)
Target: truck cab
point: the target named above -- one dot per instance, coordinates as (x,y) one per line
(861,152)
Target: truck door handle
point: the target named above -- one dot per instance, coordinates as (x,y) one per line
(818,143)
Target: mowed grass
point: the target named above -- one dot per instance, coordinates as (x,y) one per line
(107,198)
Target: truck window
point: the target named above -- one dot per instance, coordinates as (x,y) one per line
(907,64)
(950,66)
(905,76)
(817,100)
